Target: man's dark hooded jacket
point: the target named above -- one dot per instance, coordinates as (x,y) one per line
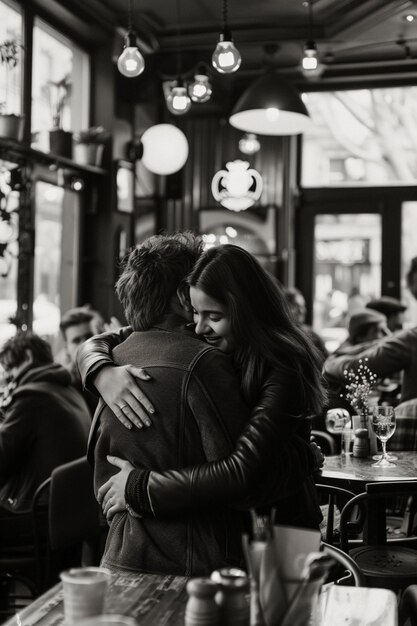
(45,425)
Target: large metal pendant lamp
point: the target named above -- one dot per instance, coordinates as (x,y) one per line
(271,106)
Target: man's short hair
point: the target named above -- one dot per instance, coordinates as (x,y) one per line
(152,274)
(14,351)
(73,317)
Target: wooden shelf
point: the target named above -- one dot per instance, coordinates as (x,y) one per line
(17,152)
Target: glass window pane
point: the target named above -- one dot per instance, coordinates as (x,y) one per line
(347,270)
(362,136)
(408,252)
(60,84)
(11,77)
(56,256)
(8,254)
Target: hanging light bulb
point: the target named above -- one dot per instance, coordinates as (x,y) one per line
(200,89)
(310,59)
(226,57)
(310,63)
(130,63)
(249,143)
(178,101)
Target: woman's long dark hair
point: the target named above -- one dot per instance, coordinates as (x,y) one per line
(261,324)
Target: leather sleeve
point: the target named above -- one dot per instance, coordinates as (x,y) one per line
(383,357)
(269,462)
(96,352)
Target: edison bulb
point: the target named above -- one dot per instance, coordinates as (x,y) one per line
(165,149)
(178,101)
(130,63)
(226,57)
(310,60)
(200,90)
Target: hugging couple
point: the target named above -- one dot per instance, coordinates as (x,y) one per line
(221,421)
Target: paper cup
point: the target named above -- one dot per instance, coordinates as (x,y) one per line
(84,592)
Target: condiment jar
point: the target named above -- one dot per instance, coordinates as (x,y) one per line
(361,443)
(233,589)
(201,608)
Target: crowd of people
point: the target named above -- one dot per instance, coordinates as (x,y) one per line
(195,413)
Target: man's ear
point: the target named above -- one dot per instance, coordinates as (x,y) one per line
(29,356)
(183,295)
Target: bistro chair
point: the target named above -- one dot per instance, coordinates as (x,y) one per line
(73,533)
(388,563)
(348,572)
(407,610)
(325,440)
(332,500)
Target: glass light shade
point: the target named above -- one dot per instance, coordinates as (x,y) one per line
(130,63)
(226,57)
(165,149)
(178,101)
(249,144)
(200,90)
(271,106)
(310,58)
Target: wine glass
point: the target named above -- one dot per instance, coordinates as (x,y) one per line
(383,424)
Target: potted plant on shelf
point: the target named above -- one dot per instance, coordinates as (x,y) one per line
(89,145)
(10,123)
(60,140)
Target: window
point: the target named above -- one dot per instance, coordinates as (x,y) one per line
(60,72)
(57,215)
(347,270)
(408,252)
(361,137)
(11,77)
(9,200)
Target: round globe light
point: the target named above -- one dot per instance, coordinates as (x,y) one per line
(165,149)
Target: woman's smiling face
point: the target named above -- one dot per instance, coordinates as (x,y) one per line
(212,320)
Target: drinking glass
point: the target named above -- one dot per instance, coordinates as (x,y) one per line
(383,424)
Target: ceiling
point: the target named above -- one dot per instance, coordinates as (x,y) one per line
(354,37)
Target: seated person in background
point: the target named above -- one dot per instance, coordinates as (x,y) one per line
(365,325)
(76,326)
(411,277)
(384,357)
(393,310)
(45,423)
(298,308)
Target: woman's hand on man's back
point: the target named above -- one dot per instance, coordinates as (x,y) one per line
(118,386)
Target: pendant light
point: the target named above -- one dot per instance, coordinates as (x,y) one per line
(271,106)
(226,57)
(249,144)
(310,63)
(130,63)
(200,89)
(178,101)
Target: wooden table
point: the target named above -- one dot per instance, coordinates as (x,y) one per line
(160,601)
(352,473)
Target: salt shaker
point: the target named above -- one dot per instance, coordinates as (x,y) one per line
(201,608)
(233,587)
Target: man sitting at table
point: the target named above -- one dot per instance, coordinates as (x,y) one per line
(44,423)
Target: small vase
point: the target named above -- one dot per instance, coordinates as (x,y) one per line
(60,142)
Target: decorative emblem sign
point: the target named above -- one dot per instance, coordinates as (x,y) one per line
(237,188)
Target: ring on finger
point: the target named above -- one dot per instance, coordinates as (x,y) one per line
(123,406)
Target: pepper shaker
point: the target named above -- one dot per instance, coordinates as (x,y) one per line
(201,608)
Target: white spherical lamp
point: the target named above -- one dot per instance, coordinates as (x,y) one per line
(165,149)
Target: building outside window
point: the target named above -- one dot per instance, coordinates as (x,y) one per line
(361,137)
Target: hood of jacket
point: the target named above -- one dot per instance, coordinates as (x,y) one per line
(47,373)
